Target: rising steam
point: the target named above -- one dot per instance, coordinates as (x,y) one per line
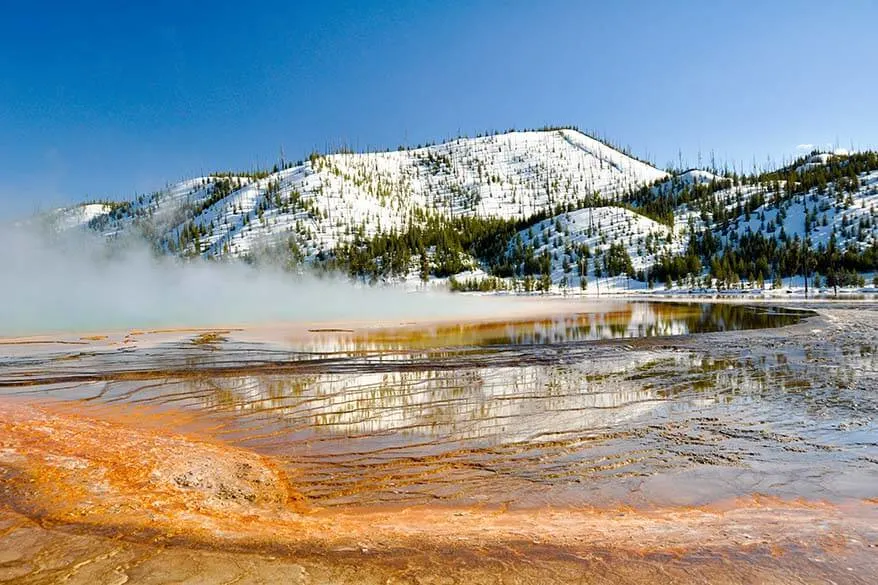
(74,281)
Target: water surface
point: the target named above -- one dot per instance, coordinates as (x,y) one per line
(592,408)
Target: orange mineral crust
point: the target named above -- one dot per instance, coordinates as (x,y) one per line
(154,493)
(69,468)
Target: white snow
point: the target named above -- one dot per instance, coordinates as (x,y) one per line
(333,199)
(598,228)
(79,216)
(324,202)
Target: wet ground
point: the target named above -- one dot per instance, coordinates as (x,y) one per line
(644,441)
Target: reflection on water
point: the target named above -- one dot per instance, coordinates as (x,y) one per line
(600,428)
(621,320)
(522,413)
(329,350)
(579,410)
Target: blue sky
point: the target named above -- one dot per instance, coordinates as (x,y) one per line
(109,99)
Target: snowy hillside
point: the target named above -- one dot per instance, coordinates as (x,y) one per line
(578,243)
(79,216)
(850,215)
(533,210)
(330,199)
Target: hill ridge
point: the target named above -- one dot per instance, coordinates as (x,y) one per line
(430,212)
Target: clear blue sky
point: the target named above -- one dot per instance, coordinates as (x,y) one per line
(105,99)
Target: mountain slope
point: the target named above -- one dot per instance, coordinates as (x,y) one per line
(330,199)
(554,207)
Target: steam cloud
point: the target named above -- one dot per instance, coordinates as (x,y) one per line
(73,281)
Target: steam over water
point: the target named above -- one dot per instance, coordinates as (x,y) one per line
(73,282)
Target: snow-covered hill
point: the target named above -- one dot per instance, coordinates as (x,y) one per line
(329,199)
(577,209)
(850,215)
(576,242)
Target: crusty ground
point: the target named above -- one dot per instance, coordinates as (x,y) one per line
(86,499)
